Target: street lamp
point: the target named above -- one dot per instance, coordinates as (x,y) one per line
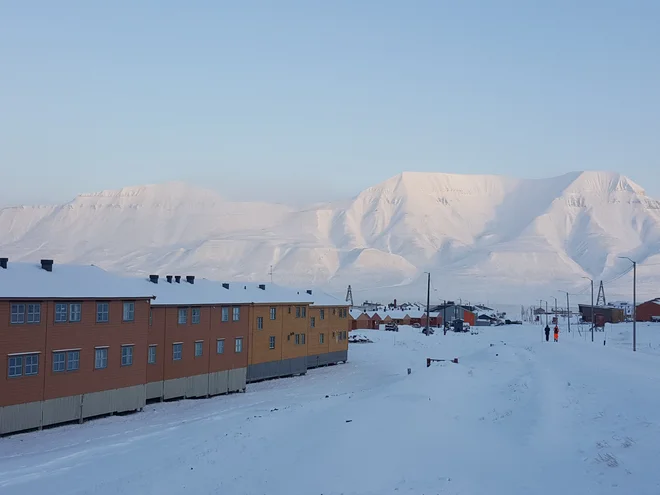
(593,315)
(634,263)
(568,309)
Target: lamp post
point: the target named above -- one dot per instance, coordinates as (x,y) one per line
(634,263)
(568,310)
(593,316)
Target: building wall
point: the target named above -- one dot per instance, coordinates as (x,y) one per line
(83,336)
(259,349)
(322,326)
(339,327)
(647,310)
(15,339)
(86,335)
(293,325)
(229,331)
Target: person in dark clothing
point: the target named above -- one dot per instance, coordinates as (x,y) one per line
(547,333)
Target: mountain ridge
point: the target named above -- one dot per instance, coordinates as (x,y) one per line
(525,235)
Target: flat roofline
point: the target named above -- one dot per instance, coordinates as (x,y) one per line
(76,298)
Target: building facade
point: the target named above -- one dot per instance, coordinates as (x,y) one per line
(649,310)
(74,344)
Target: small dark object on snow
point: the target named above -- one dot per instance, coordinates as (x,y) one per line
(327,396)
(409,371)
(273,410)
(191,469)
(349,420)
(497,354)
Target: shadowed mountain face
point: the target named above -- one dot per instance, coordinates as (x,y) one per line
(479,236)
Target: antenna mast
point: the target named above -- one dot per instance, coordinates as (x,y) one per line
(349,295)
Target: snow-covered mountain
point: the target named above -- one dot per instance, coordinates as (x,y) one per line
(482,237)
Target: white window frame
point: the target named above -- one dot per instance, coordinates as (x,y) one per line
(273,313)
(59,361)
(312,322)
(73,356)
(302,339)
(322,314)
(34,316)
(225,313)
(16,366)
(271,342)
(220,346)
(238,345)
(31,360)
(127,354)
(100,358)
(199,348)
(75,312)
(182,316)
(304,311)
(61,312)
(177,346)
(102,310)
(260,323)
(128,311)
(321,338)
(17,313)
(236,313)
(152,355)
(196,316)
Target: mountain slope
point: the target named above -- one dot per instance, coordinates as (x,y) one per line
(480,236)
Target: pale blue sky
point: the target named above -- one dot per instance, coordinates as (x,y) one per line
(304,100)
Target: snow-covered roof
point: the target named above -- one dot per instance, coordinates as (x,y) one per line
(206,292)
(356,313)
(321,298)
(31,281)
(395,314)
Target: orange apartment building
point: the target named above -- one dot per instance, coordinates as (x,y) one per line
(74,344)
(79,342)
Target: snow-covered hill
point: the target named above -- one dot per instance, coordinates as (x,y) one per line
(487,237)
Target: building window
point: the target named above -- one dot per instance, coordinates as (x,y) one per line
(302,339)
(59,362)
(129,311)
(15,366)
(196,315)
(312,322)
(322,314)
(220,346)
(297,339)
(199,349)
(239,344)
(73,360)
(225,314)
(151,317)
(271,344)
(126,355)
(176,352)
(183,316)
(75,312)
(31,364)
(236,314)
(152,354)
(297,311)
(304,311)
(260,323)
(102,310)
(273,313)
(101,358)
(61,312)
(321,338)
(289,309)
(18,313)
(343,312)
(34,313)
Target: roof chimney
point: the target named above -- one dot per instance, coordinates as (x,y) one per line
(153,279)
(226,286)
(262,286)
(3,263)
(309,291)
(190,279)
(47,265)
(177,279)
(169,278)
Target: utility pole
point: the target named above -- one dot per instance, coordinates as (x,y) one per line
(634,263)
(555,306)
(546,313)
(593,314)
(428,304)
(270,272)
(541,308)
(568,310)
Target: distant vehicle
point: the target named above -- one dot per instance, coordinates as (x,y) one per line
(416,325)
(391,327)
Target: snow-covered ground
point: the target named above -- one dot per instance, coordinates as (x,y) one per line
(516,415)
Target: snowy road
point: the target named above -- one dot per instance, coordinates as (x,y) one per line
(519,416)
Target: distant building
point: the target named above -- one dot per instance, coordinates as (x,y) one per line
(625,306)
(649,310)
(609,314)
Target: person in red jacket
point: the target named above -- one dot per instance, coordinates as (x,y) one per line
(556,333)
